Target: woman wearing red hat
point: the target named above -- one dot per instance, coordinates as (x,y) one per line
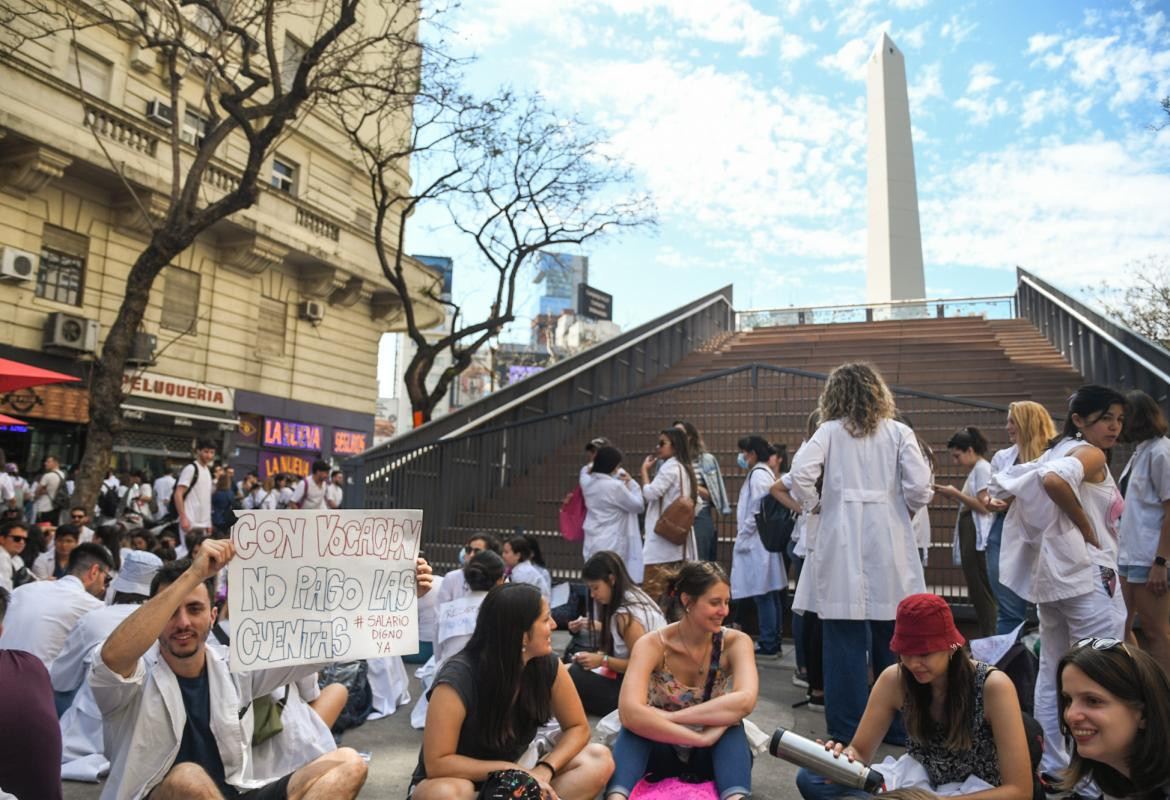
(962,716)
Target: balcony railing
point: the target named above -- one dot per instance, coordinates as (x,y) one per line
(116,128)
(991,307)
(318,224)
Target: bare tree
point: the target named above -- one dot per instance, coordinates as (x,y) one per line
(222,59)
(515,179)
(1144,305)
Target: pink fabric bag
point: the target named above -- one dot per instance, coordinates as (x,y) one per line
(573,517)
(674,789)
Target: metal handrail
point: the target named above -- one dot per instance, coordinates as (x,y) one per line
(918,302)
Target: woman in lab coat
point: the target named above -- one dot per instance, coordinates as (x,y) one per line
(613,501)
(675,477)
(755,572)
(865,557)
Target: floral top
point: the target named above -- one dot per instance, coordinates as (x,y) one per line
(670,694)
(944,765)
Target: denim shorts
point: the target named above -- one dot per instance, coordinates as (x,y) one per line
(1133,573)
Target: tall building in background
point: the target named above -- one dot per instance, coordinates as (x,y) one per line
(560,274)
(895,236)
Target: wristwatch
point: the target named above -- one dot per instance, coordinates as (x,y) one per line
(1159,561)
(605,658)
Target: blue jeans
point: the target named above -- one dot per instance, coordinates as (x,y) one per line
(728,762)
(768,616)
(847,643)
(815,787)
(1013,609)
(797,619)
(705,534)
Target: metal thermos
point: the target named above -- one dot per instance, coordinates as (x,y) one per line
(812,756)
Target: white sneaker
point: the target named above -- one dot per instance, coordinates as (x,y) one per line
(799,681)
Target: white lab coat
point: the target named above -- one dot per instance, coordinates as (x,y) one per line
(1045,558)
(304,736)
(611,519)
(144,717)
(41,615)
(976,482)
(527,572)
(754,570)
(865,556)
(72,665)
(1149,486)
(669,484)
(389,684)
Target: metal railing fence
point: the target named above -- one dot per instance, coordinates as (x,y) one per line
(990,307)
(513,477)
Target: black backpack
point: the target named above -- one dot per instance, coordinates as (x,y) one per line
(61,497)
(108,501)
(360,704)
(775,523)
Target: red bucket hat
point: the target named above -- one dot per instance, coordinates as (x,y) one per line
(924,624)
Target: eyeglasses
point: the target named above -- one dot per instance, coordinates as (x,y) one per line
(1099,644)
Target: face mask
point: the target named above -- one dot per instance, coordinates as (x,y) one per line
(741,459)
(462,557)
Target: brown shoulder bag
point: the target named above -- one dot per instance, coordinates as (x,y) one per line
(675,521)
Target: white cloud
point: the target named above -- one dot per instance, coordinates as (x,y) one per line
(1074,211)
(982,78)
(850,59)
(927,86)
(1043,103)
(909,5)
(1118,69)
(982,109)
(793,48)
(957,29)
(915,37)
(1040,42)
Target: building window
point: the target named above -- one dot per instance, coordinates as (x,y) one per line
(180,309)
(271,327)
(284,175)
(290,62)
(61,275)
(90,72)
(194,128)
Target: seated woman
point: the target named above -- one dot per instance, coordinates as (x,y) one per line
(962,716)
(489,699)
(679,708)
(622,613)
(456,619)
(526,563)
(1115,707)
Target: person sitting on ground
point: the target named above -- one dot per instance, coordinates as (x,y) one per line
(1115,708)
(158,721)
(526,563)
(962,716)
(454,585)
(30,763)
(690,685)
(489,700)
(613,501)
(55,562)
(619,616)
(43,613)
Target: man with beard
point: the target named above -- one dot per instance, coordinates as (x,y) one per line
(182,728)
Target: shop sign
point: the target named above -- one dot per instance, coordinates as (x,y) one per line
(249,430)
(273,464)
(349,442)
(177,390)
(287,433)
(13,429)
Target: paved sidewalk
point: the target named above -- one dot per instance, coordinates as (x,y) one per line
(394,745)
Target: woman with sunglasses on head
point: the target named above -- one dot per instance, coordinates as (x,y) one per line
(688,688)
(1067,508)
(1115,709)
(1145,526)
(488,701)
(962,716)
(675,477)
(619,616)
(1030,429)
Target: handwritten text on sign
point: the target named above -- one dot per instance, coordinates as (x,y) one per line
(315,586)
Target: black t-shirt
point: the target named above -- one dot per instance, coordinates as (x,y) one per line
(198,745)
(459,673)
(30,761)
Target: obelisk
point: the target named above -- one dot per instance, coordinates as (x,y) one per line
(895,239)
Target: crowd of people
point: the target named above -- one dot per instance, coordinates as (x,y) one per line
(120,635)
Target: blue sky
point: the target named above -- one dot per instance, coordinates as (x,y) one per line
(746,121)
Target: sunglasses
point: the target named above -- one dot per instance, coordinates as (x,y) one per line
(18,538)
(663,443)
(1103,643)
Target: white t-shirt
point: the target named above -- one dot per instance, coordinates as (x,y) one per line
(41,615)
(310,494)
(7,489)
(164,487)
(197,500)
(50,481)
(333,495)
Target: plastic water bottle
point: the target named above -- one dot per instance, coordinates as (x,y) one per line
(813,756)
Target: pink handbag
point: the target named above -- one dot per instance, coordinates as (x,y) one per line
(572,521)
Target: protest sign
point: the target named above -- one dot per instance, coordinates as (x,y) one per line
(312,586)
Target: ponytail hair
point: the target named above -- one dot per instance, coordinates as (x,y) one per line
(969,438)
(527,547)
(693,579)
(483,571)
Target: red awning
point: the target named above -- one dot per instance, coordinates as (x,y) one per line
(7,420)
(15,376)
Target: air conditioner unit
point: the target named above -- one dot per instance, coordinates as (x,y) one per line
(17,265)
(312,310)
(159,112)
(71,332)
(142,350)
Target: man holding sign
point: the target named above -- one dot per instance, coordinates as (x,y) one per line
(182,727)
